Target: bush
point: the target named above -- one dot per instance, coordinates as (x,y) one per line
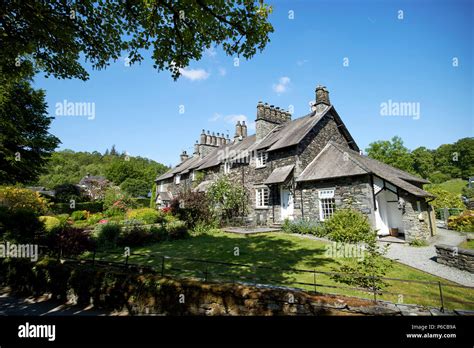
(51,223)
(158,234)
(63,208)
(135,235)
(192,208)
(463,222)
(20,198)
(74,241)
(95,218)
(468,192)
(227,199)
(80,215)
(65,192)
(303,227)
(348,226)
(444,199)
(147,215)
(107,234)
(19,225)
(176,230)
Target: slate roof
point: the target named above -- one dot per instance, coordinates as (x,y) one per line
(91,178)
(165,196)
(281,136)
(279,174)
(203,186)
(338,161)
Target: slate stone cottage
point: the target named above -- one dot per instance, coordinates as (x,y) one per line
(304,168)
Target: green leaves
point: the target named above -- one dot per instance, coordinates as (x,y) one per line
(25,143)
(53,35)
(228,199)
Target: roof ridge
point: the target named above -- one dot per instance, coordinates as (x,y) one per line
(347,150)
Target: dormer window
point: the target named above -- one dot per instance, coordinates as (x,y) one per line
(177,179)
(262,157)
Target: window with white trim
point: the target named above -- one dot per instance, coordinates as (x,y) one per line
(261,197)
(177,179)
(262,157)
(227,167)
(327,204)
(193,175)
(162,186)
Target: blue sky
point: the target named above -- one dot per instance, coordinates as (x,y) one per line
(402,60)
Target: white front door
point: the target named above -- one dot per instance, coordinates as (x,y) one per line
(381,215)
(286,204)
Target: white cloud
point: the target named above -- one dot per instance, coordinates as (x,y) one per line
(282,85)
(222,71)
(194,74)
(302,62)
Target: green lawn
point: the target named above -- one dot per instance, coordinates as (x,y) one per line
(468,244)
(454,185)
(282,252)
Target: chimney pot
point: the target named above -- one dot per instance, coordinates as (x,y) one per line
(322,95)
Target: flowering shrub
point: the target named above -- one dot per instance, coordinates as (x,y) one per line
(463,222)
(147,215)
(166,210)
(80,215)
(51,223)
(20,198)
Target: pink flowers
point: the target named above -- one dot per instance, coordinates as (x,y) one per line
(103,221)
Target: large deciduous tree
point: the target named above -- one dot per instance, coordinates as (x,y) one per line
(53,34)
(391,152)
(25,143)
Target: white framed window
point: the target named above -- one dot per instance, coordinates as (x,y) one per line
(227,167)
(261,197)
(262,157)
(193,175)
(177,179)
(162,187)
(327,204)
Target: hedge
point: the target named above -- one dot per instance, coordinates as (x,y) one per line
(63,208)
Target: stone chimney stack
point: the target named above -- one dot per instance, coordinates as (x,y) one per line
(268,117)
(227,139)
(203,137)
(238,130)
(184,156)
(244,130)
(322,95)
(196,149)
(208,138)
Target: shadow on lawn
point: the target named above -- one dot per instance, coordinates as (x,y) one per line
(275,257)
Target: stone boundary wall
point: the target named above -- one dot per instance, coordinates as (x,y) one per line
(137,291)
(455,257)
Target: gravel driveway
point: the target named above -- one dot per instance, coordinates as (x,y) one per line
(424,258)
